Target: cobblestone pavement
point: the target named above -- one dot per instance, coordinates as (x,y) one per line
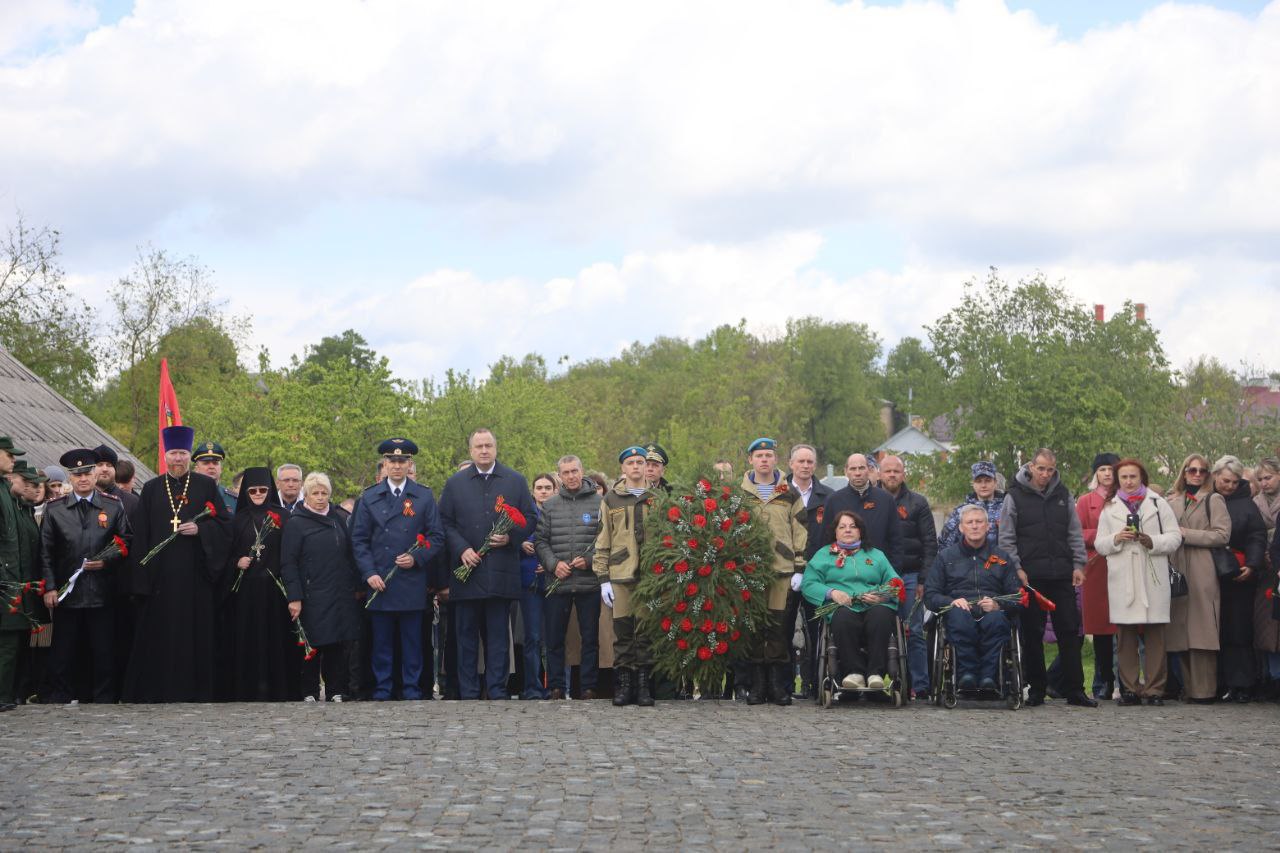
(586,775)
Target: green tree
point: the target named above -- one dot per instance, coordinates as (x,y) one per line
(349,349)
(831,366)
(914,380)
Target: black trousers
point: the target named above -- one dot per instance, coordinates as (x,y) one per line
(333,665)
(71,627)
(862,640)
(1066,625)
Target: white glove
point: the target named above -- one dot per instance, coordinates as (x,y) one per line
(796,580)
(606,594)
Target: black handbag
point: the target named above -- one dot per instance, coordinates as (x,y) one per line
(1177,580)
(1224,562)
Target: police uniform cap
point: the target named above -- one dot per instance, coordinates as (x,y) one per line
(761,444)
(79,460)
(398,447)
(209,450)
(655,453)
(633,450)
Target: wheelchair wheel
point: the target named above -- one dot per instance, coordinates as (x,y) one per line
(938,682)
(826,696)
(1013,669)
(949,697)
(820,674)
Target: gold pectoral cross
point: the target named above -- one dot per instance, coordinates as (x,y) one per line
(175,522)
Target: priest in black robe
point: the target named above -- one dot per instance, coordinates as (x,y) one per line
(264,661)
(174,652)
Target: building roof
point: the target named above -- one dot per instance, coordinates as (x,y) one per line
(911,440)
(44,423)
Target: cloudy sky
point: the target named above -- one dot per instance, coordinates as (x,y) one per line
(567,177)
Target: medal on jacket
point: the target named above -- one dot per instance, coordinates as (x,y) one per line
(102,519)
(408,508)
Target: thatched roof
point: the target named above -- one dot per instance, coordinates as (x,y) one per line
(42,422)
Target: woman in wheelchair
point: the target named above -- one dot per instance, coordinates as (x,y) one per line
(855,576)
(966,578)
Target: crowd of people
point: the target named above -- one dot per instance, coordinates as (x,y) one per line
(189,591)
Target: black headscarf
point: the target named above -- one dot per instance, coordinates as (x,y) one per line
(257,477)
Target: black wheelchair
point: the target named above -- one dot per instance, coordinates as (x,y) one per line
(942,663)
(897,687)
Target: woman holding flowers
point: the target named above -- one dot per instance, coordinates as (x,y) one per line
(858,580)
(321,580)
(263,659)
(1137,532)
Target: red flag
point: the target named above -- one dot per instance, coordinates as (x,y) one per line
(170,415)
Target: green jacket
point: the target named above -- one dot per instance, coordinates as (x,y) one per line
(19,555)
(863,571)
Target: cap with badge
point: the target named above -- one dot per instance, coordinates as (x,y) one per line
(6,443)
(983,469)
(107,454)
(653,452)
(209,450)
(26,472)
(761,444)
(178,438)
(632,451)
(79,461)
(398,447)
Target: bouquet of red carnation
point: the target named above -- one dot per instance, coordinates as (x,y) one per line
(895,588)
(13,592)
(508,517)
(420,545)
(298,631)
(1017,597)
(272,523)
(204,513)
(117,547)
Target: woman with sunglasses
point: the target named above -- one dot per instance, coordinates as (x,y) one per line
(263,662)
(1193,618)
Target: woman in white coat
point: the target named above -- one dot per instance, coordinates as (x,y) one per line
(1137,531)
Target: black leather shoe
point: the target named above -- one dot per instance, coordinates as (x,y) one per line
(1127,698)
(1034,699)
(1242,696)
(783,684)
(759,684)
(1154,700)
(1080,700)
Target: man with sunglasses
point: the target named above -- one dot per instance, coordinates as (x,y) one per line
(1040,531)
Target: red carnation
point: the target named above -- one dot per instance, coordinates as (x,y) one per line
(718,542)
(896,583)
(1025,598)
(749,568)
(710,505)
(707,626)
(699,520)
(722,627)
(726,524)
(516,516)
(743,516)
(686,625)
(666,623)
(681,644)
(704,484)
(658,568)
(667,541)
(746,595)
(682,606)
(673,514)
(1270,593)
(720,590)
(692,543)
(691,590)
(120,546)
(722,647)
(707,606)
(681,567)
(209,507)
(704,653)
(730,565)
(275,518)
(725,491)
(735,636)
(703,571)
(422,542)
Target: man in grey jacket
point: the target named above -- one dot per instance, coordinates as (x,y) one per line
(565,542)
(1040,530)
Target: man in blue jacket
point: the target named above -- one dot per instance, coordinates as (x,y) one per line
(873,504)
(468,509)
(389,519)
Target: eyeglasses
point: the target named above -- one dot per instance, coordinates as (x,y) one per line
(1191,470)
(258,490)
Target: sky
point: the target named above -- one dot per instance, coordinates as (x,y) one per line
(459,181)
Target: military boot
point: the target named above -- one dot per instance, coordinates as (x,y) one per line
(622,694)
(783,683)
(644,692)
(759,684)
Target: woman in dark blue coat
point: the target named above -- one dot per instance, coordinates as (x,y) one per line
(321,580)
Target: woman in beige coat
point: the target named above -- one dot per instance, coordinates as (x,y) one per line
(1193,626)
(1138,577)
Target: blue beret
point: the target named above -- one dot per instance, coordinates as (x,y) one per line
(633,450)
(397,447)
(983,469)
(178,438)
(761,444)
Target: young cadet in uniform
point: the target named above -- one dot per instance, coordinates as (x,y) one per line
(15,566)
(617,556)
(767,493)
(208,458)
(76,528)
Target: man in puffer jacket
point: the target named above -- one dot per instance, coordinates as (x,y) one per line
(565,542)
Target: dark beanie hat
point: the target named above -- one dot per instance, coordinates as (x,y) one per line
(1104,459)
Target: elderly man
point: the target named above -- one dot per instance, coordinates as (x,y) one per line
(919,547)
(289,483)
(468,508)
(873,505)
(771,499)
(1041,533)
(175,644)
(967,577)
(75,531)
(985,494)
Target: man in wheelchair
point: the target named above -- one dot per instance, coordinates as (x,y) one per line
(974,582)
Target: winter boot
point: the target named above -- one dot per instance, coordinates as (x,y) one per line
(783,684)
(644,693)
(622,689)
(759,684)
